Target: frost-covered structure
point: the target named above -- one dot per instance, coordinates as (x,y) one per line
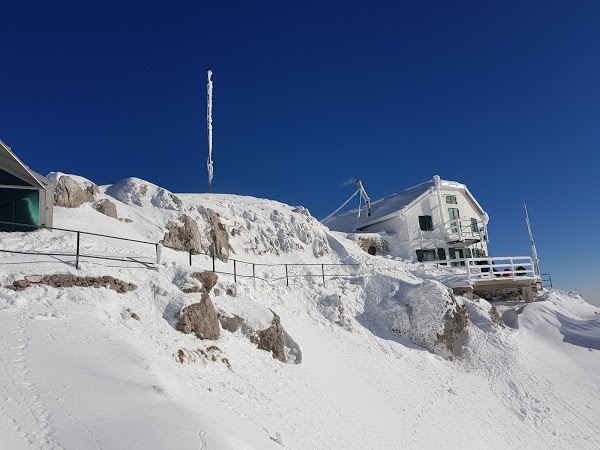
(26,197)
(435,220)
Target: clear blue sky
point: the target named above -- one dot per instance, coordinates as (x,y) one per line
(502,96)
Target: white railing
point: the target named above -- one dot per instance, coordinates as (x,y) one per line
(461,229)
(488,268)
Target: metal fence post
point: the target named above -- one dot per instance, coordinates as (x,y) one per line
(213,259)
(323,273)
(234,272)
(287,280)
(190,252)
(77,253)
(253,271)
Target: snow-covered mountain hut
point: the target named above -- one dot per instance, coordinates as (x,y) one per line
(433,221)
(26,197)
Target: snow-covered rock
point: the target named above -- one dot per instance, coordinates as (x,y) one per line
(200,318)
(134,191)
(71,193)
(107,208)
(183,235)
(424,311)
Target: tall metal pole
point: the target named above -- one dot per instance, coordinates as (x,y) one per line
(536,261)
(209,162)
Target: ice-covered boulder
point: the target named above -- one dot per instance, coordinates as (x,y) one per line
(483,315)
(134,191)
(262,227)
(332,308)
(424,311)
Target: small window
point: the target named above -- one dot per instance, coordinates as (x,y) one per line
(451,199)
(441,253)
(474,226)
(426,223)
(420,255)
(426,255)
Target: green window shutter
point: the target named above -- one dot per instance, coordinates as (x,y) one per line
(441,254)
(426,223)
(468,252)
(483,253)
(420,255)
(474,226)
(452,253)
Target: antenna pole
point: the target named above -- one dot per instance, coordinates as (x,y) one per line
(536,261)
(209,162)
(364,195)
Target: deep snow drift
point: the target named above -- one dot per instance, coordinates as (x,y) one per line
(366,369)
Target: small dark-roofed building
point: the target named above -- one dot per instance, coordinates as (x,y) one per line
(26,197)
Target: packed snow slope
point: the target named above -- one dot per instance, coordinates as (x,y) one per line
(78,370)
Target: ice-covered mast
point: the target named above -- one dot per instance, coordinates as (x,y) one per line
(536,261)
(363,193)
(365,197)
(209,162)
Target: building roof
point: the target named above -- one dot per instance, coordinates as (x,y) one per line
(10,163)
(389,206)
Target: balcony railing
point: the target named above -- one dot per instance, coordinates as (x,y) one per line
(488,268)
(461,230)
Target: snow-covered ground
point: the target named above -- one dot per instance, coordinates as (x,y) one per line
(78,371)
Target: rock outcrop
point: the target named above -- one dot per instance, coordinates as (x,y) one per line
(208,279)
(196,282)
(183,237)
(495,317)
(272,339)
(200,319)
(455,321)
(107,208)
(70,194)
(230,323)
(68,280)
(220,238)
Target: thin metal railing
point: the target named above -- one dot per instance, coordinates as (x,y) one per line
(78,255)
(546,280)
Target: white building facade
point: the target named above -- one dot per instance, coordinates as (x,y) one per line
(438,220)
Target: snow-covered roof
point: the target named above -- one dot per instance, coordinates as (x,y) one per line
(387,207)
(13,165)
(380,209)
